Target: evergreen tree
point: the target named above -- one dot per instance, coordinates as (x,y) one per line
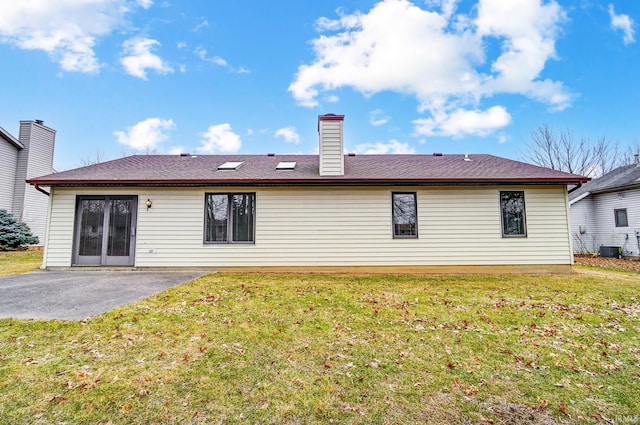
(13,234)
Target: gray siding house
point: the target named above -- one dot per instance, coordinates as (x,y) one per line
(605,212)
(28,156)
(327,212)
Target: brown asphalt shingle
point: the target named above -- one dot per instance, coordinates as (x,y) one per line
(261,169)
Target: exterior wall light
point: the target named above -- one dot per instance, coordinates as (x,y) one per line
(148,203)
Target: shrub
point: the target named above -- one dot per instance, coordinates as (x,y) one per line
(13,234)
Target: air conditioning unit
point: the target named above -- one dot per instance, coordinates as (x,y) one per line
(611,251)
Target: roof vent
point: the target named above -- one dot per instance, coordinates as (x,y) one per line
(352,154)
(286,165)
(185,154)
(437,154)
(39,122)
(271,154)
(466,157)
(231,165)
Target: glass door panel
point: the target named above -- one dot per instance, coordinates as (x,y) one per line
(105,230)
(91,212)
(119,241)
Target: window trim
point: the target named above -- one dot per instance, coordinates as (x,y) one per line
(393,222)
(626,217)
(230,222)
(524,215)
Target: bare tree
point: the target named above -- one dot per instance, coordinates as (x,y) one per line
(90,160)
(629,155)
(562,151)
(606,155)
(150,150)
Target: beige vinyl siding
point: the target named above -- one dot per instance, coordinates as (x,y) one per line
(8,161)
(335,227)
(331,148)
(60,230)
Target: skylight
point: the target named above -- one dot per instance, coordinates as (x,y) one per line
(286,165)
(231,165)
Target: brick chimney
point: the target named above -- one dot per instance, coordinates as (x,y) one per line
(330,129)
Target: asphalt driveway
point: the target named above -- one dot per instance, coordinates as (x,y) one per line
(77,295)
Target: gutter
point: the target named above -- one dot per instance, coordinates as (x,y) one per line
(579,198)
(578,186)
(339,181)
(41,190)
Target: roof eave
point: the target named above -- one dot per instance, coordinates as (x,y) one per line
(9,138)
(631,186)
(579,198)
(335,181)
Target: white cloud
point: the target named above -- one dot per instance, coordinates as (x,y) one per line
(176,150)
(202,54)
(145,4)
(377,118)
(66,30)
(289,134)
(146,135)
(220,139)
(461,123)
(202,24)
(528,30)
(623,23)
(138,58)
(443,58)
(391,147)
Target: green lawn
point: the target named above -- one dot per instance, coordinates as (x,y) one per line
(14,262)
(297,349)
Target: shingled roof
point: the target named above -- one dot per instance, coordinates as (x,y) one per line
(625,177)
(202,170)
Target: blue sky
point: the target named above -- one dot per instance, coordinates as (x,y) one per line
(120,77)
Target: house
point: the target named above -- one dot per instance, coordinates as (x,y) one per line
(326,212)
(605,212)
(28,156)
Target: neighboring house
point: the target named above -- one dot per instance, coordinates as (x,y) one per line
(326,212)
(606,212)
(28,156)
